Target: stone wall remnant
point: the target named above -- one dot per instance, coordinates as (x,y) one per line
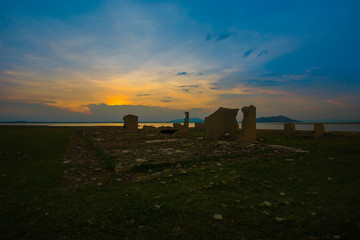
(289,128)
(131,122)
(177,125)
(199,126)
(319,130)
(249,124)
(149,128)
(221,124)
(184,129)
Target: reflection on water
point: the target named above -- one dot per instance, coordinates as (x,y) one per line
(279,126)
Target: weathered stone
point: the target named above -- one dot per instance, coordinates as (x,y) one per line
(249,124)
(184,129)
(149,128)
(319,130)
(220,122)
(289,128)
(177,125)
(130,122)
(199,126)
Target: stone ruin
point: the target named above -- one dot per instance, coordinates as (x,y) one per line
(319,130)
(131,122)
(221,123)
(199,126)
(184,129)
(289,128)
(177,125)
(149,128)
(249,124)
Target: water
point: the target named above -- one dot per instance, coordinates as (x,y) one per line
(273,126)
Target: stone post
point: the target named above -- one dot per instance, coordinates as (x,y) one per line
(289,128)
(249,124)
(319,130)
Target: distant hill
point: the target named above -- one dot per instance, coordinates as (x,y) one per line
(276,119)
(181,120)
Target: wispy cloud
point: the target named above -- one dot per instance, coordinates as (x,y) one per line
(143,95)
(181,73)
(332,101)
(248,52)
(223,36)
(262,53)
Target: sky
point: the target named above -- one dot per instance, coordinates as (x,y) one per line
(99,60)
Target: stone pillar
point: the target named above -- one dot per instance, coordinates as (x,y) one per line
(319,130)
(186,120)
(131,122)
(249,124)
(184,129)
(221,124)
(289,128)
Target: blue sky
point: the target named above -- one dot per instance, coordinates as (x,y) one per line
(71,60)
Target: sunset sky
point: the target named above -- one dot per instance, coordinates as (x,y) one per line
(97,60)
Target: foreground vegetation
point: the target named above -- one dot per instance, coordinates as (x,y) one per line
(308,196)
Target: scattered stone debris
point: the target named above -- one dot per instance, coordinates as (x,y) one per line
(136,155)
(218,216)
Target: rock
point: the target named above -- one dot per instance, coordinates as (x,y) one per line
(140,160)
(122,169)
(218,216)
(265,204)
(249,124)
(149,128)
(131,122)
(220,122)
(177,125)
(279,219)
(118,179)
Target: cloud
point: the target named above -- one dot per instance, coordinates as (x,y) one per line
(332,101)
(223,36)
(143,95)
(165,100)
(262,53)
(271,75)
(248,52)
(181,73)
(189,86)
(185,89)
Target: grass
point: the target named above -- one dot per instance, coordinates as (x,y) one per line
(312,196)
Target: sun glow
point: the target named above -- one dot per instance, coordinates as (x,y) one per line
(117,101)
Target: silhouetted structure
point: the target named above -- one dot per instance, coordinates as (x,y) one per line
(130,122)
(221,123)
(319,130)
(289,128)
(249,124)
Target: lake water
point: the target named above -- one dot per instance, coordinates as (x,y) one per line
(279,126)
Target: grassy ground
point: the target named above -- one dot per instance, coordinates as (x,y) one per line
(308,196)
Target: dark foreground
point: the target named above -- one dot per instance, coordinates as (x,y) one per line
(105,183)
